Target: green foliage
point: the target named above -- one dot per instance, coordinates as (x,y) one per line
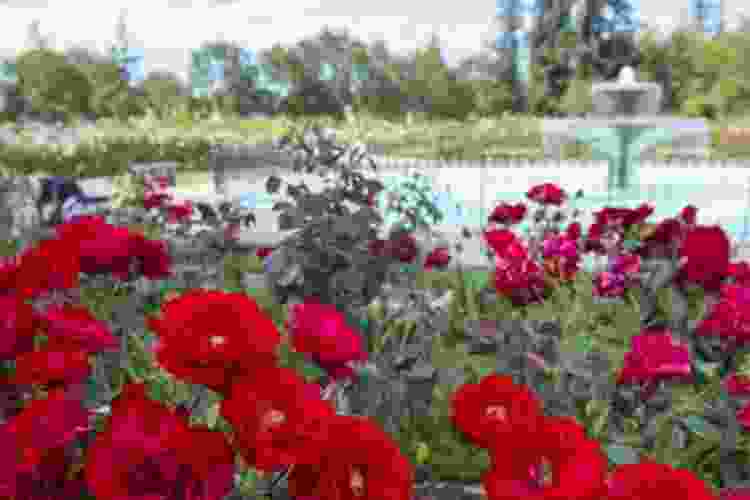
(53,84)
(165,98)
(111,95)
(577,99)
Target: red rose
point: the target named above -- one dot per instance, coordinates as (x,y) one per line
(153,199)
(204,332)
(546,194)
(263,252)
(506,213)
(438,258)
(50,265)
(737,385)
(275,420)
(76,327)
(688,214)
(34,433)
(149,448)
(649,480)
(573,231)
(403,248)
(153,256)
(578,466)
(498,239)
(494,408)
(361,462)
(655,356)
(52,367)
(320,331)
(179,212)
(17,326)
(740,272)
(707,250)
(624,217)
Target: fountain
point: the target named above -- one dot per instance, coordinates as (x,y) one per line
(624,125)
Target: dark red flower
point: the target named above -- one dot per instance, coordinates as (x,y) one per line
(498,239)
(576,464)
(202,333)
(75,327)
(103,248)
(438,258)
(734,494)
(624,217)
(17,326)
(275,420)
(52,367)
(688,214)
(505,213)
(573,232)
(707,250)
(149,452)
(655,356)
(546,194)
(263,252)
(320,331)
(739,272)
(34,431)
(153,199)
(403,247)
(495,408)
(377,248)
(649,480)
(179,212)
(50,265)
(737,385)
(362,463)
(153,256)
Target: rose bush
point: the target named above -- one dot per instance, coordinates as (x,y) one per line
(224,341)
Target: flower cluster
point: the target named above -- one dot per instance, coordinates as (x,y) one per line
(534,456)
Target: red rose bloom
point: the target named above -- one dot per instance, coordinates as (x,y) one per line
(739,272)
(149,452)
(204,333)
(495,407)
(652,481)
(362,463)
(275,419)
(50,265)
(263,252)
(17,326)
(573,232)
(707,250)
(320,332)
(546,194)
(498,239)
(34,432)
(578,466)
(179,212)
(655,356)
(52,367)
(75,327)
(624,217)
(506,213)
(403,248)
(438,258)
(688,214)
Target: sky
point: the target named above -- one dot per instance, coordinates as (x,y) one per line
(166,30)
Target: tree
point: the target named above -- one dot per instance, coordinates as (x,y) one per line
(165,92)
(53,84)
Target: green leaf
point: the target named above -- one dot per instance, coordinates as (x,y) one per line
(584,343)
(620,455)
(423,453)
(311,371)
